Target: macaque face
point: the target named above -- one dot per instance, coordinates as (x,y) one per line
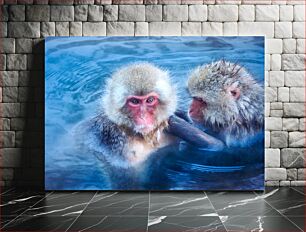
(142,110)
(196,109)
(214,104)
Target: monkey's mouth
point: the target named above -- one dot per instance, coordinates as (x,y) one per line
(143,129)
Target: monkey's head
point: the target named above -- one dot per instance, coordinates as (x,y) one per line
(140,97)
(225,97)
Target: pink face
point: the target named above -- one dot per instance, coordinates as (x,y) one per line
(142,109)
(196,109)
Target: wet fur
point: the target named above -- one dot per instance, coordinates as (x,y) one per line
(239,121)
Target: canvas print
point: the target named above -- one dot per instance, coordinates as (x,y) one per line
(154,113)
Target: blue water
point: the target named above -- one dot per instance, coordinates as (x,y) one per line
(75,71)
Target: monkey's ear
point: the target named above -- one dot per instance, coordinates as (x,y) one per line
(234,91)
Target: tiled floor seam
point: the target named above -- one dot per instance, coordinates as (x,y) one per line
(283,215)
(81,213)
(215,210)
(25,211)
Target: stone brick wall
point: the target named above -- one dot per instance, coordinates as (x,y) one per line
(24,24)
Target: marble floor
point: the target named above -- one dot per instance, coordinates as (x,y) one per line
(276,209)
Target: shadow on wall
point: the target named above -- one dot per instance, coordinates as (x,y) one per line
(31,139)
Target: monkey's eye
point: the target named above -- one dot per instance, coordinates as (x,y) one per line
(150,99)
(134,101)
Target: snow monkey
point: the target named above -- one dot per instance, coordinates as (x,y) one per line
(227,102)
(138,118)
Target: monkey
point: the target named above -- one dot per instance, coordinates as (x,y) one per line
(137,119)
(227,102)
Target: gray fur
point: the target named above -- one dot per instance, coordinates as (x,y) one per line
(233,119)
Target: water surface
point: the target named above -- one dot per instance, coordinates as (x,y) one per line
(76,69)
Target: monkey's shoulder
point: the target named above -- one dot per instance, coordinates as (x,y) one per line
(101,135)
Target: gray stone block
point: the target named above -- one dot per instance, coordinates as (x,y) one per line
(148,2)
(3,31)
(24,29)
(247,13)
(2,62)
(298,183)
(62,28)
(212,29)
(141,29)
(274,46)
(131,13)
(24,45)
(267,13)
(80,13)
(293,61)
(289,46)
(272,158)
(62,13)
(191,29)
(127,2)
(47,29)
(283,29)
(154,13)
(94,29)
(298,30)
(284,183)
(222,13)
(197,13)
(302,125)
(279,139)
(293,157)
(164,28)
(11,110)
(110,12)
(256,28)
(17,13)
(61,2)
(175,13)
(290,124)
(103,2)
(4,15)
(38,13)
(302,174)
(95,13)
(296,139)
(75,29)
(9,94)
(291,174)
(297,94)
(6,125)
(8,138)
(273,183)
(9,78)
(8,45)
(294,110)
(166,2)
(84,2)
(273,123)
(120,29)
(295,78)
(286,13)
(273,174)
(11,157)
(16,62)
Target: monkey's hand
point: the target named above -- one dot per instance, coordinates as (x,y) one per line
(183,115)
(189,133)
